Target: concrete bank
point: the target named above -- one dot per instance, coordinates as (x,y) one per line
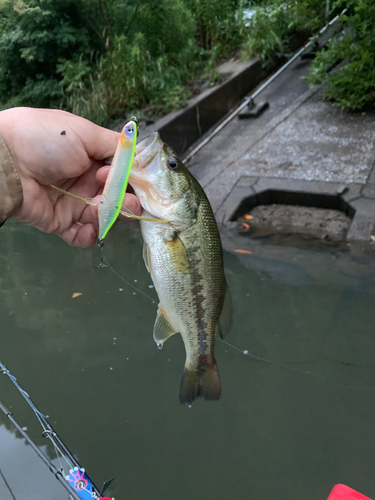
(300,151)
(182,128)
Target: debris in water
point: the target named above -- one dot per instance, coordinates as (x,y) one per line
(246,351)
(151,286)
(120,289)
(239,250)
(245,227)
(76,294)
(372,242)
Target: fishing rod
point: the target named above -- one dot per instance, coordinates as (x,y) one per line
(77,482)
(57,473)
(250,99)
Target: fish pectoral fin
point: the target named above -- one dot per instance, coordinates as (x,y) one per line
(163,328)
(178,254)
(76,197)
(226,317)
(147,257)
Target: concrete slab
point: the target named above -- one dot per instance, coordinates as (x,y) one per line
(301,146)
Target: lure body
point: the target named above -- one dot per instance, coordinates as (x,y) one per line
(117,181)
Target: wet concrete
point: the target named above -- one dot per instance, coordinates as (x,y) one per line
(300,145)
(318,222)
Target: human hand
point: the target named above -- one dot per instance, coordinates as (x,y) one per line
(55,147)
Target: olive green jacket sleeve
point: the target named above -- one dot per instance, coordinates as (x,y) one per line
(11,196)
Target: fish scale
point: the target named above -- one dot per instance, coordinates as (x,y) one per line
(185,260)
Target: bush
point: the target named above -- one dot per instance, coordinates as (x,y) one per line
(33,37)
(103,59)
(352,84)
(270,25)
(95,58)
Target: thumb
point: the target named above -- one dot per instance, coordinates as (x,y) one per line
(99,142)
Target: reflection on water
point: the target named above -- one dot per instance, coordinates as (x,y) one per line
(296,415)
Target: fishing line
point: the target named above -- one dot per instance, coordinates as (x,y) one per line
(127,282)
(293,368)
(253,356)
(47,430)
(60,448)
(8,486)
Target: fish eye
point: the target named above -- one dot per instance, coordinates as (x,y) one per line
(172,163)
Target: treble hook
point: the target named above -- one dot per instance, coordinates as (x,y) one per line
(101,255)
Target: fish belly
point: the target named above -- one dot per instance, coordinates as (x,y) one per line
(188,276)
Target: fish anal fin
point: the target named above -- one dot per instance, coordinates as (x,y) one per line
(147,257)
(163,328)
(178,254)
(226,317)
(202,382)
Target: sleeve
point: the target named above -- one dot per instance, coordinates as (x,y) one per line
(11,196)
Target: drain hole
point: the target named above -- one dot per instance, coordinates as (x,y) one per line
(276,197)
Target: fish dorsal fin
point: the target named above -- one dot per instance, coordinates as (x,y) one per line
(178,254)
(163,328)
(226,317)
(147,257)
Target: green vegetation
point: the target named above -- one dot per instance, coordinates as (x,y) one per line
(103,59)
(352,84)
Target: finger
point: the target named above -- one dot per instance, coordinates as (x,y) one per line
(99,142)
(102,174)
(67,209)
(131,205)
(80,235)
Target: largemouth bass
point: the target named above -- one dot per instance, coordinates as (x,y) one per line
(185,260)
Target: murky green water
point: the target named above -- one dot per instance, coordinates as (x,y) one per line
(289,427)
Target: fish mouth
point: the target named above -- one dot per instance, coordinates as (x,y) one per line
(146,150)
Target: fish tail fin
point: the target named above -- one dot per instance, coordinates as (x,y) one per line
(201,382)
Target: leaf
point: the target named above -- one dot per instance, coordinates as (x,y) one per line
(76,294)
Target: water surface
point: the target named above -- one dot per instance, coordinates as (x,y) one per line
(296,414)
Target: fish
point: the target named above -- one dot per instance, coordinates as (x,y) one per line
(185,260)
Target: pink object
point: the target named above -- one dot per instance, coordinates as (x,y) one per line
(342,492)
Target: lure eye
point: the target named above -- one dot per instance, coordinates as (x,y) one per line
(172,164)
(129,131)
